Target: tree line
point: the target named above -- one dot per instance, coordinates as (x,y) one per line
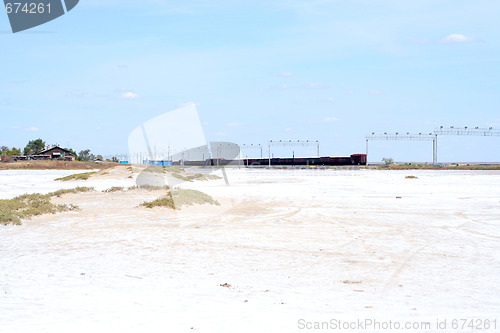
(36,146)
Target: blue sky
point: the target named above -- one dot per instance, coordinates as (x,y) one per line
(257,70)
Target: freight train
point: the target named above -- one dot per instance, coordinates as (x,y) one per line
(355,159)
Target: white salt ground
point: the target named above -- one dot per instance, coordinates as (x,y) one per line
(291,248)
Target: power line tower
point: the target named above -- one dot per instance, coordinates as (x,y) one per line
(292,143)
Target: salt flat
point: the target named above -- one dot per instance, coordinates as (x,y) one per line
(285,247)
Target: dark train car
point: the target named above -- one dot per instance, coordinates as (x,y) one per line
(355,159)
(358,159)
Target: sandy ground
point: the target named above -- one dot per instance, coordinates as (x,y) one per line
(286,248)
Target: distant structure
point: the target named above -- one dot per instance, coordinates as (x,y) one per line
(53,152)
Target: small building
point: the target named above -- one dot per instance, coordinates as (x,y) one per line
(55,153)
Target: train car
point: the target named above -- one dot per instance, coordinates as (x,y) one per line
(355,159)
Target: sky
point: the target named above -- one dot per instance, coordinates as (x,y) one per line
(327,70)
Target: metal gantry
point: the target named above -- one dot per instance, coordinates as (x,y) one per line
(245,147)
(292,143)
(433,136)
(476,131)
(406,137)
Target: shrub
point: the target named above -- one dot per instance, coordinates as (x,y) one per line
(9,217)
(28,205)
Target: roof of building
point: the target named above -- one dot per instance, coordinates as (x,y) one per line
(54,147)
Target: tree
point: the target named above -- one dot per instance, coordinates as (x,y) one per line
(34,146)
(99,158)
(74,153)
(84,155)
(4,149)
(14,152)
(388,161)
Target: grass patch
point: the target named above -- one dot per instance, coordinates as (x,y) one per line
(9,217)
(173,168)
(114,189)
(78,176)
(184,197)
(198,176)
(28,205)
(181,177)
(78,189)
(149,187)
(411,177)
(180,197)
(165,201)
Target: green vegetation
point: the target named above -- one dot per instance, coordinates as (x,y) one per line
(181,197)
(173,168)
(28,205)
(34,146)
(411,177)
(165,201)
(156,169)
(388,161)
(198,176)
(78,176)
(78,189)
(114,189)
(149,187)
(7,153)
(179,176)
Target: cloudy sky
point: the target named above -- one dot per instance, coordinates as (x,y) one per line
(327,70)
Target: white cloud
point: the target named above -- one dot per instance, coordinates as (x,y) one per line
(376,92)
(129,95)
(457,38)
(32,129)
(331,99)
(15,127)
(331,119)
(288,129)
(286,74)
